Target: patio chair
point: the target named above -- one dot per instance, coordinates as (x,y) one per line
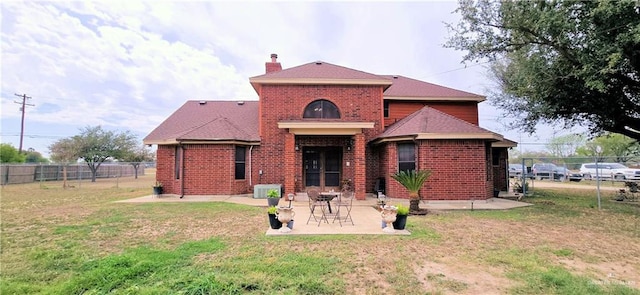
(314,202)
(343,207)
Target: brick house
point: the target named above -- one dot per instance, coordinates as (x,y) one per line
(318,124)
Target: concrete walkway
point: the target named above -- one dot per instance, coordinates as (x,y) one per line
(366,218)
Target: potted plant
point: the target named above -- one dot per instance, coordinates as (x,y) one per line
(273,197)
(519,188)
(412,180)
(157,188)
(401,216)
(273,219)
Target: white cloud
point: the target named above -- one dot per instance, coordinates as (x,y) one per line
(129,64)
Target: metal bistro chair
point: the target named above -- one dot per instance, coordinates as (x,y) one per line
(314,196)
(344,205)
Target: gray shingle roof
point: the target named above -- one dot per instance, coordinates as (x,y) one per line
(320,70)
(431,121)
(211,121)
(407,87)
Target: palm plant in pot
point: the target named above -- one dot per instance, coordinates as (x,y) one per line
(273,197)
(412,180)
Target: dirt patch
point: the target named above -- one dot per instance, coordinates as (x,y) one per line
(619,272)
(461,278)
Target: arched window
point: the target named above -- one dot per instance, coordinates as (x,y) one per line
(322,109)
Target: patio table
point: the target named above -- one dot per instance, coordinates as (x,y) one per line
(328,197)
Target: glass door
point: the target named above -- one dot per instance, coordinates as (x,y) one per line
(322,167)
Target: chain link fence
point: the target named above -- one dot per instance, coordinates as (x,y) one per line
(26,173)
(613,173)
(568,168)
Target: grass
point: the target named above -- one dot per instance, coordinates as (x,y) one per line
(78,241)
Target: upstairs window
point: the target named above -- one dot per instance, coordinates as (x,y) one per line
(321,109)
(386,109)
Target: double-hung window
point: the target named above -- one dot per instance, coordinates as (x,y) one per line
(241,153)
(406,156)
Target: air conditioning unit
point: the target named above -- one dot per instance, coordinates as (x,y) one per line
(260,190)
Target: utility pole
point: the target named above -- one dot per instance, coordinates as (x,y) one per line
(24,105)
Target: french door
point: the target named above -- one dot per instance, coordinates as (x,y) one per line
(322,167)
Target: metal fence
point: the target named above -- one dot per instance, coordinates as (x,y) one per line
(26,173)
(572,163)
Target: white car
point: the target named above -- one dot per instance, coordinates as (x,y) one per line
(609,170)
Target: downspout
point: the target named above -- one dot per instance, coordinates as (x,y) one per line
(250,170)
(182,170)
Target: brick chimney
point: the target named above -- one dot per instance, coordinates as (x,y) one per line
(274,65)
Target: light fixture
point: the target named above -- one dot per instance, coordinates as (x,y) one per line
(349,144)
(297,147)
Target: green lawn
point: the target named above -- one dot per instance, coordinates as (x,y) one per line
(78,241)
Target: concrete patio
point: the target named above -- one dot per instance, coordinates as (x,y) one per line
(366,218)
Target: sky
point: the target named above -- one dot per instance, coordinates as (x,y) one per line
(128,65)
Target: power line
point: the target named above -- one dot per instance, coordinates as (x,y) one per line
(24,106)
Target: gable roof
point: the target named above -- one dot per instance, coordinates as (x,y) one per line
(212,121)
(429,123)
(319,72)
(403,88)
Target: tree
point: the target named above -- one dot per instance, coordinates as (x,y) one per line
(137,156)
(620,147)
(576,62)
(94,145)
(566,145)
(32,156)
(64,151)
(9,154)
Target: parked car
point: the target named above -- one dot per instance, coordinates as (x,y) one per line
(541,171)
(569,174)
(515,170)
(610,171)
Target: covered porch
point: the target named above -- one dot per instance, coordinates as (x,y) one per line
(324,154)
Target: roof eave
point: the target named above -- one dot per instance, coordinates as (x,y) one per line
(317,81)
(175,141)
(478,135)
(505,143)
(325,128)
(393,139)
(437,98)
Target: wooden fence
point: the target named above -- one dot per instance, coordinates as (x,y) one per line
(25,173)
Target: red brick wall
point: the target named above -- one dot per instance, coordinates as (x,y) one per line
(458,170)
(374,160)
(287,103)
(208,170)
(164,169)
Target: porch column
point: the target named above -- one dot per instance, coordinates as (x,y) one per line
(360,167)
(289,163)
